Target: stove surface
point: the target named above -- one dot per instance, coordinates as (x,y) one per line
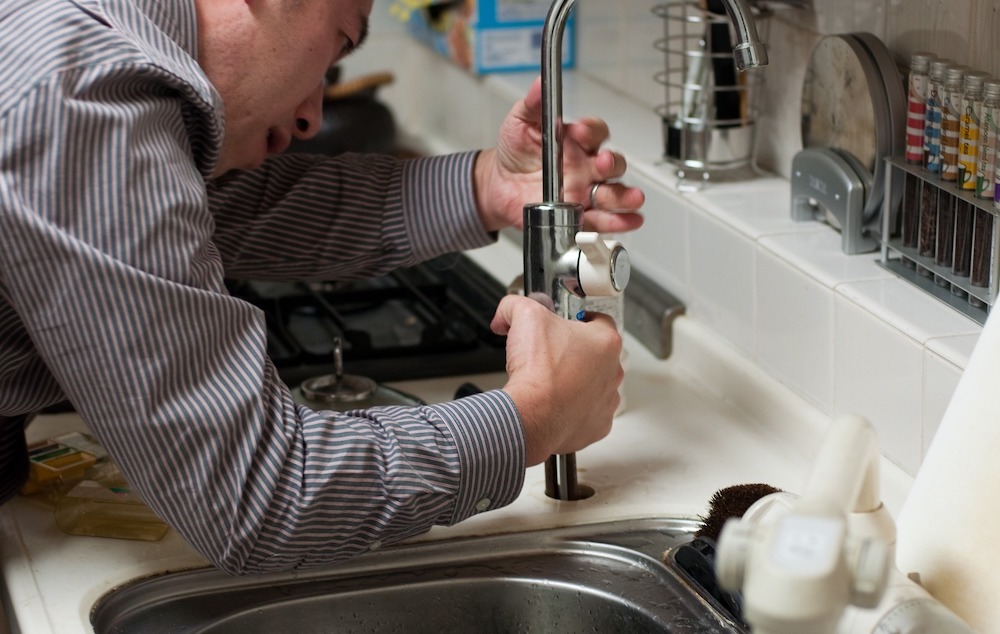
(426,321)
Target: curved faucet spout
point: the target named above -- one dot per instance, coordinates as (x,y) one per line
(552,41)
(750,52)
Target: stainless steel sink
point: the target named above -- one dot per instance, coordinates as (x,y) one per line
(597,578)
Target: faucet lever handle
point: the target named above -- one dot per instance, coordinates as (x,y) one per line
(603,269)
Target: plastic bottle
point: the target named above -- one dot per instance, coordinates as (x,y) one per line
(989,133)
(916,106)
(931,196)
(951,104)
(982,231)
(970,112)
(932,120)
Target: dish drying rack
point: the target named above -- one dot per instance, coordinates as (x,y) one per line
(710,114)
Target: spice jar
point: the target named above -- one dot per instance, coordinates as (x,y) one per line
(989,133)
(970,111)
(932,118)
(916,109)
(916,106)
(951,104)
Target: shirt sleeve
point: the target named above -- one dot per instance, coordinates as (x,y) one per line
(307,216)
(108,257)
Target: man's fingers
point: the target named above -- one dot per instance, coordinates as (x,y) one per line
(589,133)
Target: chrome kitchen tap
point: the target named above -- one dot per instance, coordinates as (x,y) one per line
(560,260)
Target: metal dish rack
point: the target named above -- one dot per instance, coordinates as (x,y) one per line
(934,222)
(709,118)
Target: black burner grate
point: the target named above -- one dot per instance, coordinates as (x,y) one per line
(427,321)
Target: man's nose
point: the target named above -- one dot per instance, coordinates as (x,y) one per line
(309,115)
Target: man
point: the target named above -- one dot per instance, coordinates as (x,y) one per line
(140,164)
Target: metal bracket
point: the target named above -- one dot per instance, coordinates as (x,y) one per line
(650,311)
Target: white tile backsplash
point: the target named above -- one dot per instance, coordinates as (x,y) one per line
(757,208)
(940,380)
(817,253)
(908,309)
(840,330)
(660,248)
(722,280)
(955,349)
(878,374)
(795,328)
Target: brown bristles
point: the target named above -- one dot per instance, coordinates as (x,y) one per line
(731,502)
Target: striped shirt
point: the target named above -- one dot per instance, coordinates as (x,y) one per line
(113,249)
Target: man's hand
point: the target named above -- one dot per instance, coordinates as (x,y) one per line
(509,176)
(564,375)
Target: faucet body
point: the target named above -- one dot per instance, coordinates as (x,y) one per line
(555,256)
(550,227)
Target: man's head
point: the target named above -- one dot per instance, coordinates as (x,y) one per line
(267,59)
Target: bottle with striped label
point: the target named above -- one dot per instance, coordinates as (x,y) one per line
(986,188)
(970,112)
(916,106)
(951,108)
(932,117)
(989,132)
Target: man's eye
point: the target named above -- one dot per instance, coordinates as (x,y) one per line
(347,47)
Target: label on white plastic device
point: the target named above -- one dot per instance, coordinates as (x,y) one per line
(514,47)
(807,545)
(510,47)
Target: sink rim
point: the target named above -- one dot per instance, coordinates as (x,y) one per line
(637,545)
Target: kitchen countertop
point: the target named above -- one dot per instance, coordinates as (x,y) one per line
(704,419)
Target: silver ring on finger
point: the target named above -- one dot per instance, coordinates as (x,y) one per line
(593,194)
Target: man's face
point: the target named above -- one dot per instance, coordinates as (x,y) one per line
(267,58)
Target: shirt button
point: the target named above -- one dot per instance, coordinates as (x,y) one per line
(483,504)
(375,545)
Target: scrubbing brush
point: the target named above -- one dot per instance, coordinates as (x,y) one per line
(731,502)
(696,559)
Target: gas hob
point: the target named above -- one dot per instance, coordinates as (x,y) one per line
(430,320)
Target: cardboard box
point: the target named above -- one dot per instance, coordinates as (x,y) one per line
(487,36)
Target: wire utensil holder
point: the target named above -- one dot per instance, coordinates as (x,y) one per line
(709,117)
